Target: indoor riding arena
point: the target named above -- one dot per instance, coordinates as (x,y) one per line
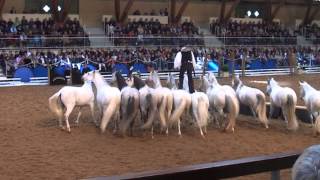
(113,60)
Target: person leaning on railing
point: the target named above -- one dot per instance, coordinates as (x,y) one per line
(307,166)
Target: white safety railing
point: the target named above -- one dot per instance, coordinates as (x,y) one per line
(163,75)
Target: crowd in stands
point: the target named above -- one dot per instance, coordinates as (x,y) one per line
(36,33)
(261,33)
(311,32)
(162,12)
(160,58)
(144,32)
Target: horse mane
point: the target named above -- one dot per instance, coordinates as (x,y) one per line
(99,78)
(171,82)
(155,78)
(237,83)
(137,82)
(213,77)
(120,80)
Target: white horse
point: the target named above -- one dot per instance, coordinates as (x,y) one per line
(228,89)
(181,102)
(129,103)
(223,100)
(163,99)
(253,98)
(311,98)
(148,102)
(69,97)
(200,107)
(200,110)
(284,98)
(108,99)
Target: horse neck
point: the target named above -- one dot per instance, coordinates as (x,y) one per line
(173,85)
(121,81)
(308,88)
(274,84)
(157,82)
(87,84)
(138,83)
(100,82)
(239,85)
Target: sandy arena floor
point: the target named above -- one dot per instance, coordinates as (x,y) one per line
(32,146)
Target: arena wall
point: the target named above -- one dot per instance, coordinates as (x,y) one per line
(17,4)
(91,11)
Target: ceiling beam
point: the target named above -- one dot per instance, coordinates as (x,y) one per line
(181,10)
(231,10)
(307,15)
(66,10)
(276,10)
(313,15)
(222,10)
(126,10)
(173,4)
(117,9)
(55,14)
(2,2)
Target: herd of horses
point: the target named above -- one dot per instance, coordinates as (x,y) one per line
(167,106)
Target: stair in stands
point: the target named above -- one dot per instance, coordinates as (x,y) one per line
(211,41)
(97,37)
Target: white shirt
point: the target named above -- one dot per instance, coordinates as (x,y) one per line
(177,60)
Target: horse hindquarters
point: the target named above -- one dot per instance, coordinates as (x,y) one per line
(232,106)
(261,109)
(129,112)
(56,106)
(289,113)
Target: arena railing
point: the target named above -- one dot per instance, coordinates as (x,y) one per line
(98,41)
(219,170)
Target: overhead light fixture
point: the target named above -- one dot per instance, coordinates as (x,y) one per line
(46,8)
(249,13)
(256,13)
(59,8)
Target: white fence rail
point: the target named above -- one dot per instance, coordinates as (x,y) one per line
(163,76)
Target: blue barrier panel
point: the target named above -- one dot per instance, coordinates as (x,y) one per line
(256,64)
(271,64)
(40,71)
(60,70)
(139,67)
(122,68)
(90,66)
(24,73)
(213,66)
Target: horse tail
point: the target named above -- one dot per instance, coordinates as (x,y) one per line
(169,106)
(107,114)
(291,116)
(154,110)
(178,111)
(128,115)
(56,105)
(232,107)
(317,125)
(203,112)
(261,109)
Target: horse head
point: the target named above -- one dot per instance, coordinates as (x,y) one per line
(212,78)
(154,78)
(130,81)
(89,76)
(171,81)
(269,88)
(236,82)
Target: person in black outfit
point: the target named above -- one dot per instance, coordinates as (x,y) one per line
(186,62)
